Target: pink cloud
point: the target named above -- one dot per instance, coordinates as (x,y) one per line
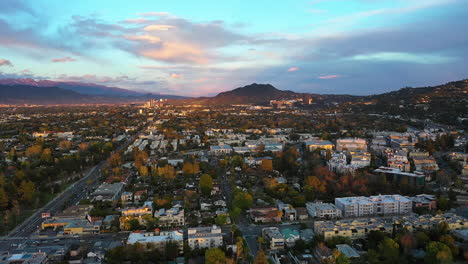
(175,51)
(145,38)
(158,28)
(293,69)
(64,59)
(326,77)
(176,76)
(4,62)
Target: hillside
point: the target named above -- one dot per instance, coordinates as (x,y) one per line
(444,103)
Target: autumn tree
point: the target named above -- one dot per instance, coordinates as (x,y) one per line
(261,257)
(26,190)
(315,184)
(267,164)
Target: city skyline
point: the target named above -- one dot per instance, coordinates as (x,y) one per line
(199,49)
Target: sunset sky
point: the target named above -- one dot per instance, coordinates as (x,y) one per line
(203,47)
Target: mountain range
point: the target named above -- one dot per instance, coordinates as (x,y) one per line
(28,91)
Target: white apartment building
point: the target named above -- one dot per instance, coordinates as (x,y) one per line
(205,237)
(323,210)
(351,144)
(158,240)
(170,217)
(374,205)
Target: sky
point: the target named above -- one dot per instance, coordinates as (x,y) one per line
(200,48)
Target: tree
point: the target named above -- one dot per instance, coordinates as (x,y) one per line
(450,242)
(65,145)
(3,199)
(221,220)
(46,155)
(267,164)
(422,239)
(316,184)
(215,256)
(339,257)
(438,253)
(261,257)
(206,184)
(389,251)
(33,151)
(115,159)
(27,190)
(242,200)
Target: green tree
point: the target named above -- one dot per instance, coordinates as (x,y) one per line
(206,184)
(242,200)
(221,220)
(389,251)
(438,253)
(215,256)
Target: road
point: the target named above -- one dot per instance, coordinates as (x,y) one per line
(72,195)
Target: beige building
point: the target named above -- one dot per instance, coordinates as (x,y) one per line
(205,237)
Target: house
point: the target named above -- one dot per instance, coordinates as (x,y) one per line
(205,237)
(221,150)
(348,251)
(424,201)
(265,214)
(302,213)
(290,236)
(126,197)
(273,237)
(139,195)
(145,209)
(322,253)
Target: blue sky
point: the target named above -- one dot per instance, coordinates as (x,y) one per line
(201,47)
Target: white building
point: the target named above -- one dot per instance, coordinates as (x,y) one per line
(323,210)
(374,205)
(205,237)
(351,144)
(171,217)
(158,240)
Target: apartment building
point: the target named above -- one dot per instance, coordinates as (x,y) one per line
(205,237)
(312,145)
(157,239)
(170,217)
(374,205)
(323,210)
(351,144)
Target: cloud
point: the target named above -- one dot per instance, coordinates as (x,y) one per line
(145,38)
(5,62)
(157,27)
(326,77)
(64,59)
(176,76)
(293,69)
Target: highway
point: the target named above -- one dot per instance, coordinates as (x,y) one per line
(70,196)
